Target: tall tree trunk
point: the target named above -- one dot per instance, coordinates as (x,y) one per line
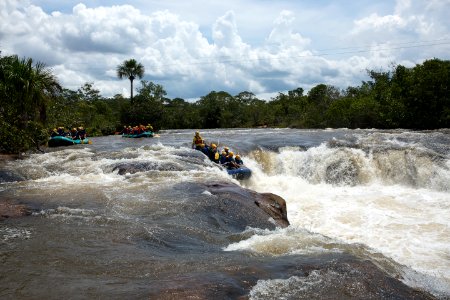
(131,80)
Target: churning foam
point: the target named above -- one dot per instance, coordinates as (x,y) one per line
(404,222)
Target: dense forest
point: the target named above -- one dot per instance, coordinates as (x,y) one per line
(32,102)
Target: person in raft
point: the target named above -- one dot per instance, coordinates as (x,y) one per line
(227,150)
(124,130)
(81,133)
(197,141)
(54,132)
(74,134)
(238,160)
(214,154)
(61,131)
(223,157)
(230,162)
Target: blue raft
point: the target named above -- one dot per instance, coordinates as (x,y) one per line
(145,134)
(241,173)
(57,141)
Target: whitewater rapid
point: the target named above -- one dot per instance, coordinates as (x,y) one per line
(380,196)
(395,203)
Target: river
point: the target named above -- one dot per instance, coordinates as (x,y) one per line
(368,196)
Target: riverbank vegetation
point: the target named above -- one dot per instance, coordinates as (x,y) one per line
(32,102)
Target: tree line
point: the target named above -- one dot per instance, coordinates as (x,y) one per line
(32,102)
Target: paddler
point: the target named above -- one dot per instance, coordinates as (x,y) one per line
(238,160)
(230,163)
(74,134)
(54,133)
(81,132)
(214,154)
(197,141)
(223,157)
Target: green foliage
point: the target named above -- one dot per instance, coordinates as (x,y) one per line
(428,100)
(148,106)
(180,114)
(26,89)
(32,103)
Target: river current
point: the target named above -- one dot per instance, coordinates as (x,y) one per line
(98,232)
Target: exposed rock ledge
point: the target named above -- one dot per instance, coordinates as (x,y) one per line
(274,206)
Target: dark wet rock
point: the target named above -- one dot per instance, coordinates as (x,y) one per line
(208,216)
(9,209)
(274,205)
(242,201)
(330,276)
(9,176)
(135,167)
(351,278)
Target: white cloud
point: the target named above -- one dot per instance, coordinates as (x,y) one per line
(191,56)
(283,33)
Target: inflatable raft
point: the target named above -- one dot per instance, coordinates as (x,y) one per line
(241,173)
(57,141)
(145,134)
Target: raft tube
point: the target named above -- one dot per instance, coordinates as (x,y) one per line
(145,134)
(57,141)
(241,173)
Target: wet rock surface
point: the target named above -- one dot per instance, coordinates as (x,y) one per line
(335,276)
(9,176)
(244,201)
(131,168)
(10,209)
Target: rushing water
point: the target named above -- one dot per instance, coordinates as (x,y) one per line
(382,196)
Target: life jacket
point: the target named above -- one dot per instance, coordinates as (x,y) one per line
(198,140)
(214,155)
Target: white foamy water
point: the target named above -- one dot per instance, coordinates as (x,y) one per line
(407,222)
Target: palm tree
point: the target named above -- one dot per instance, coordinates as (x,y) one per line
(30,87)
(26,89)
(130,69)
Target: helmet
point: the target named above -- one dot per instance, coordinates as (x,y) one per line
(54,129)
(223,152)
(230,154)
(73,129)
(213,146)
(226,148)
(238,156)
(202,145)
(197,133)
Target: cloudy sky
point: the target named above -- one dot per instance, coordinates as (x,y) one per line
(194,47)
